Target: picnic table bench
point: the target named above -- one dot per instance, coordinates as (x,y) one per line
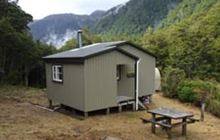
(163,117)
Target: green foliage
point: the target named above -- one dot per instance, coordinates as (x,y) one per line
(36,68)
(203,90)
(70,44)
(187,94)
(3,7)
(172,78)
(185,9)
(21,23)
(87,38)
(158,45)
(213,102)
(192,44)
(12,12)
(133,38)
(20,56)
(90,38)
(195,91)
(213,107)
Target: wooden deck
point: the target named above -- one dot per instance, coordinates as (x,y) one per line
(125,100)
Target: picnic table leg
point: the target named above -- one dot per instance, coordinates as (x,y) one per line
(153,127)
(184,127)
(169,129)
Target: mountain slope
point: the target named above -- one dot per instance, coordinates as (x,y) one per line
(135,16)
(187,8)
(130,18)
(57,29)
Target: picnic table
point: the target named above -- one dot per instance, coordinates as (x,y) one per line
(164,116)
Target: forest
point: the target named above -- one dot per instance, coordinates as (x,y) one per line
(20,55)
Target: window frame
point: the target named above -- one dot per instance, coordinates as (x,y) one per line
(118,72)
(57,75)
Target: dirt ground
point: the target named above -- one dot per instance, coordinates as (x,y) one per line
(20,120)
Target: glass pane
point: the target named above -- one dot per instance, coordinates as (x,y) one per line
(59,69)
(60,76)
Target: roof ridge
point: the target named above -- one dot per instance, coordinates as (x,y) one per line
(92,49)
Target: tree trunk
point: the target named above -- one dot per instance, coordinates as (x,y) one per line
(26,79)
(26,75)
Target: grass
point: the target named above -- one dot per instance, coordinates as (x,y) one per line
(21,94)
(20,120)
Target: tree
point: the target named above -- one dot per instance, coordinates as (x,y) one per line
(87,39)
(90,38)
(70,44)
(20,56)
(192,44)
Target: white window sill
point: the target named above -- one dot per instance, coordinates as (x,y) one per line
(60,81)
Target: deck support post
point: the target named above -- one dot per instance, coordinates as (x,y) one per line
(107,111)
(150,99)
(119,108)
(134,106)
(86,114)
(50,103)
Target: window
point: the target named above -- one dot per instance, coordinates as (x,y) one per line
(57,73)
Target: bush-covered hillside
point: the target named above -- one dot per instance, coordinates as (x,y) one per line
(193,44)
(187,8)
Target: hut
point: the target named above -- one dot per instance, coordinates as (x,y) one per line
(100,76)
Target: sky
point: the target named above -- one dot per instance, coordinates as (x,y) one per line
(41,8)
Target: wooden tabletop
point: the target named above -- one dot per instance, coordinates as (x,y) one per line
(170,113)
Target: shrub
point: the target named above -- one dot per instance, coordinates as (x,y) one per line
(195,91)
(172,78)
(213,103)
(187,94)
(216,93)
(213,106)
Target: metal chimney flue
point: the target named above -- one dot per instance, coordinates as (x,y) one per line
(79,38)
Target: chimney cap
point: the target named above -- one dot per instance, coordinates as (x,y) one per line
(79,31)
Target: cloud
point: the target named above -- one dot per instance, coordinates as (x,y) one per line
(41,8)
